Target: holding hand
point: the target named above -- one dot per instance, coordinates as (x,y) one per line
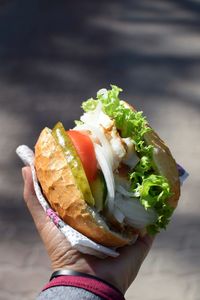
(120,271)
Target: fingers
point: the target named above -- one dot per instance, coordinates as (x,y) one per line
(143,245)
(54,241)
(30,198)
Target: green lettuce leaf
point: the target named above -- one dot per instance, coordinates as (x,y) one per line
(89,105)
(153,191)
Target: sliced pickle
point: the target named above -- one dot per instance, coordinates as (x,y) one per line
(99,191)
(74,162)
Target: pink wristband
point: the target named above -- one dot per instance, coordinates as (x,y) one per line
(94,286)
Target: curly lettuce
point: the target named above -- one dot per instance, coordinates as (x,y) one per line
(151,189)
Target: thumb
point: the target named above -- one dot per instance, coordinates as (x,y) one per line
(132,257)
(137,252)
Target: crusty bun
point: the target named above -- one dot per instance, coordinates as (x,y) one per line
(63,194)
(60,189)
(164,162)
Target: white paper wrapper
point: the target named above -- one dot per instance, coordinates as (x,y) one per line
(77,240)
(183,174)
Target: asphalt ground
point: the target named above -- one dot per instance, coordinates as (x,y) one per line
(54,55)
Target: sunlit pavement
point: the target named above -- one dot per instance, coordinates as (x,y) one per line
(53,56)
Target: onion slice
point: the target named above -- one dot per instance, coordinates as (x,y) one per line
(119,216)
(124,192)
(135,213)
(108,175)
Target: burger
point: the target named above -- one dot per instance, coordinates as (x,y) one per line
(111,177)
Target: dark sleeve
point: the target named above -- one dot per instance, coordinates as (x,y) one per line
(79,288)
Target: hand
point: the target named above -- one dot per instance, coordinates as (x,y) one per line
(120,271)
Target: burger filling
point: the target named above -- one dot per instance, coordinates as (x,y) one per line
(136,194)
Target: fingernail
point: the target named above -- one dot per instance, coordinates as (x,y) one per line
(24,174)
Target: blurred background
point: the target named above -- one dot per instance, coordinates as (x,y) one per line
(54,55)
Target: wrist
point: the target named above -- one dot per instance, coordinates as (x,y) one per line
(90,265)
(85,281)
(65,272)
(103,275)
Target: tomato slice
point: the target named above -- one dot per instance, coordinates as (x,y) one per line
(85,150)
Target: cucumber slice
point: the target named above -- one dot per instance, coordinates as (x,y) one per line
(99,191)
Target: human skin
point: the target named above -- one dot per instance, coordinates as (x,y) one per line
(120,271)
